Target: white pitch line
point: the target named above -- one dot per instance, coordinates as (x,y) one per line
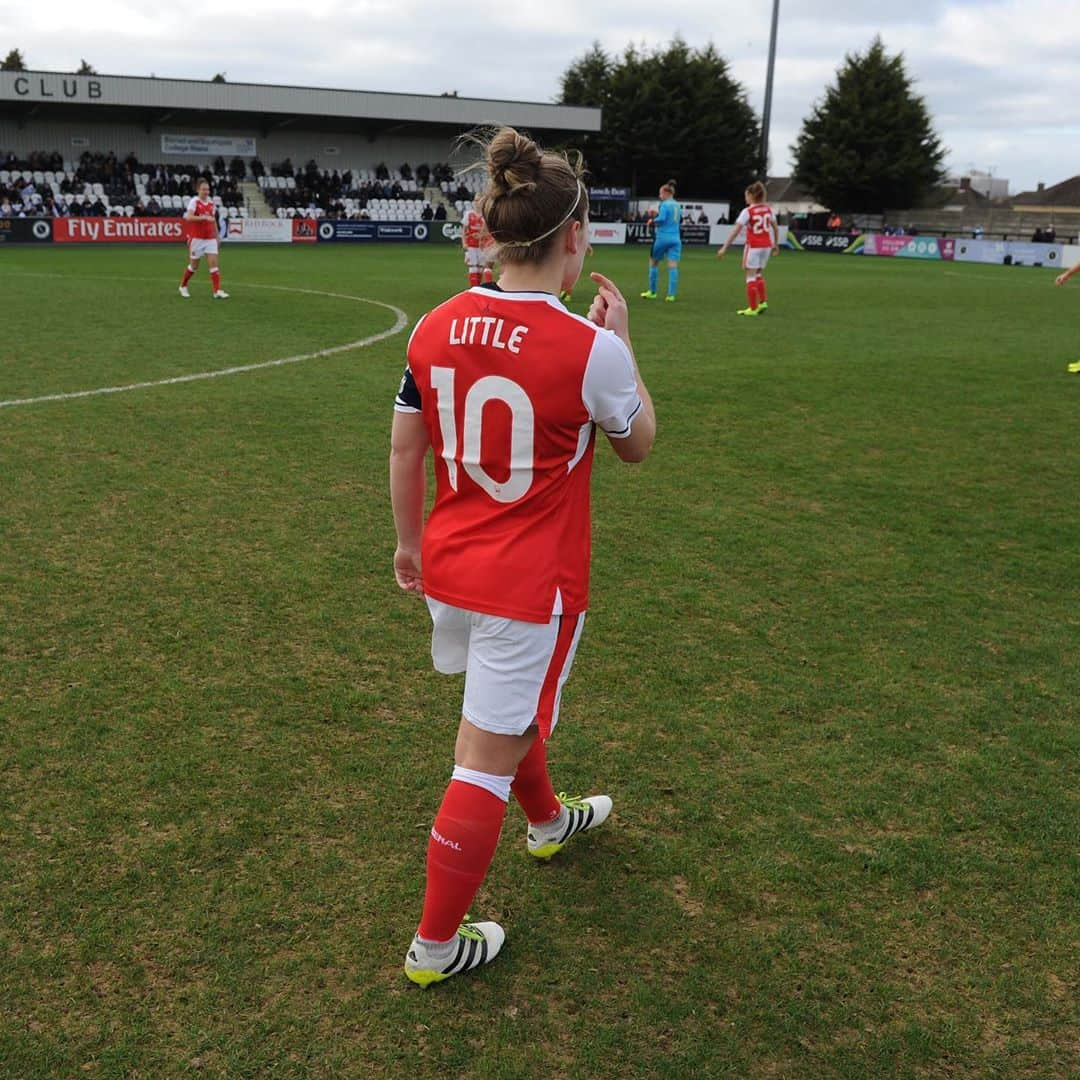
(400,322)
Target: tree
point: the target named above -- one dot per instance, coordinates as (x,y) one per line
(219,77)
(870,144)
(85,68)
(670,113)
(13,61)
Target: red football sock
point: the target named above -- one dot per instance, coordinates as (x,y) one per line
(532,786)
(751,294)
(761,290)
(188,272)
(474,277)
(487,277)
(463,841)
(215,279)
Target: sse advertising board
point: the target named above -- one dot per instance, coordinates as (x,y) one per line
(133,230)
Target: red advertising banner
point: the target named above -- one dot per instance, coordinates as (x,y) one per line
(305,230)
(133,230)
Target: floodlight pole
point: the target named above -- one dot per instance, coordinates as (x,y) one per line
(766,112)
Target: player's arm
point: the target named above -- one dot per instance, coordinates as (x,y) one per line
(409,443)
(609,310)
(731,238)
(775,234)
(1062,278)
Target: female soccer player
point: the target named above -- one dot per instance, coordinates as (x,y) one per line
(667,244)
(202,232)
(507,388)
(762,240)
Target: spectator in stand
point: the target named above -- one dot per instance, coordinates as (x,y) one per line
(427,214)
(834,223)
(381,171)
(440,212)
(703,218)
(6,209)
(1037,236)
(405,171)
(257,168)
(423,174)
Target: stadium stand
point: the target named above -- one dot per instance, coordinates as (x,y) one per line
(105,185)
(101,185)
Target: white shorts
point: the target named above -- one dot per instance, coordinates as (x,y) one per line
(474,258)
(198,248)
(755,258)
(514,671)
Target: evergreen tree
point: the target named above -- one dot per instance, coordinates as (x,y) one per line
(870,144)
(85,68)
(13,61)
(219,77)
(672,113)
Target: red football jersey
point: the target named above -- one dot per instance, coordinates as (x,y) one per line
(512,387)
(206,227)
(472,228)
(759,222)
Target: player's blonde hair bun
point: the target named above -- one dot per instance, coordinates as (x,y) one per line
(513,162)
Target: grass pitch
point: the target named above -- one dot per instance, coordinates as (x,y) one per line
(829,678)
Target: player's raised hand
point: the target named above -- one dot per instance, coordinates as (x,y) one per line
(608,308)
(407,571)
(1062,278)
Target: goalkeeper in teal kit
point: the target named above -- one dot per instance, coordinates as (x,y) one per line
(667,244)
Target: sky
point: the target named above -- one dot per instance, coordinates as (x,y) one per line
(1001,77)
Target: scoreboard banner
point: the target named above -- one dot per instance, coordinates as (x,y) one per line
(25,230)
(831,243)
(117,230)
(409,232)
(909,247)
(1017,252)
(259,231)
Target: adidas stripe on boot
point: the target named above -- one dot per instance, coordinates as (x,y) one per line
(475,944)
(577,816)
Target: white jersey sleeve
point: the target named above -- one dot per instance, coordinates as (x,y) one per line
(744,218)
(192,205)
(609,389)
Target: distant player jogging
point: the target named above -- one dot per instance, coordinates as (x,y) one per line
(479,252)
(667,244)
(200,222)
(507,389)
(762,240)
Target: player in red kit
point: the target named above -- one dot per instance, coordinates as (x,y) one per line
(200,219)
(478,245)
(507,388)
(762,240)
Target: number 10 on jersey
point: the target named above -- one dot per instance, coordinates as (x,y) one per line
(522,425)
